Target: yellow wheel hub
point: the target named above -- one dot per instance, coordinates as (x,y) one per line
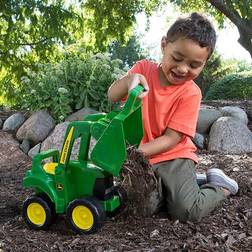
(83,217)
(36,214)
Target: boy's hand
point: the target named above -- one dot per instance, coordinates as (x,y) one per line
(136,79)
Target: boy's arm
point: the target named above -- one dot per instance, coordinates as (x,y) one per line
(119,89)
(161,144)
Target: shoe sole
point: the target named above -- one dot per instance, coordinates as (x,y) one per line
(221,174)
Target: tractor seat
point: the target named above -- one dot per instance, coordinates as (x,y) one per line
(50,168)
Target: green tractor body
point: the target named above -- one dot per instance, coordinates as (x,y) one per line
(83,187)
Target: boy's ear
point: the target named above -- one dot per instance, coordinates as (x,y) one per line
(163,43)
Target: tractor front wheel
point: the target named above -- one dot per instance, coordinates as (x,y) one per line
(37,212)
(85,216)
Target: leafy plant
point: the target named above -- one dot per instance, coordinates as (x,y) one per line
(35,31)
(128,53)
(214,70)
(78,81)
(234,86)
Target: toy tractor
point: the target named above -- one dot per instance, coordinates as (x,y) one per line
(83,188)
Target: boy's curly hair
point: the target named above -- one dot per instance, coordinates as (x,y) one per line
(195,27)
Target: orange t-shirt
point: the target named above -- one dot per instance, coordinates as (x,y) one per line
(174,106)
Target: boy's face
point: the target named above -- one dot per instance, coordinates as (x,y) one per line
(183,60)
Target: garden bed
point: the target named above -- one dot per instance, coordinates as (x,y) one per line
(228,228)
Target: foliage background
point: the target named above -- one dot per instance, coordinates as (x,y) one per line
(79,80)
(52,50)
(233,86)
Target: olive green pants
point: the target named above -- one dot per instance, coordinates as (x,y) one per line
(183,198)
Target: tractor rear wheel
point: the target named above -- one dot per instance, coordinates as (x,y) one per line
(85,216)
(37,212)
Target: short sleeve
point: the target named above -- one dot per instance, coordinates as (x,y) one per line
(185,116)
(139,67)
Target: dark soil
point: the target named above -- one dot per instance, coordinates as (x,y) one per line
(228,228)
(140,182)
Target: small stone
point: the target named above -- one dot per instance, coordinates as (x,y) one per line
(224,235)
(242,236)
(35,150)
(154,233)
(236,169)
(25,146)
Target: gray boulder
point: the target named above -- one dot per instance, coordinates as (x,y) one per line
(199,140)
(35,150)
(207,116)
(25,146)
(36,128)
(13,122)
(56,139)
(249,113)
(235,112)
(80,114)
(231,136)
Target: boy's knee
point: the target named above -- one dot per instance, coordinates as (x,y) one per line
(183,211)
(178,210)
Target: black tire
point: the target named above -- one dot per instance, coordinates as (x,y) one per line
(119,191)
(45,197)
(37,212)
(85,216)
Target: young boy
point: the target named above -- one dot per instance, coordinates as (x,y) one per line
(170,109)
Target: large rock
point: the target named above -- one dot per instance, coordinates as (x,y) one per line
(231,136)
(13,122)
(235,112)
(36,128)
(35,150)
(207,116)
(56,139)
(80,114)
(249,113)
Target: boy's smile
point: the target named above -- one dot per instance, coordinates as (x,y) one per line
(183,60)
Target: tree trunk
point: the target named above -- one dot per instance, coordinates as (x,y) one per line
(245,40)
(244,25)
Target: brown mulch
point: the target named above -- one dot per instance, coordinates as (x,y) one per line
(228,228)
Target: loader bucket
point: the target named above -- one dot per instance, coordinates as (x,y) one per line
(109,152)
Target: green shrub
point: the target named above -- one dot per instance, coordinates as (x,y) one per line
(234,86)
(77,81)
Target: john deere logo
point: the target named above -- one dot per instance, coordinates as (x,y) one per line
(59,187)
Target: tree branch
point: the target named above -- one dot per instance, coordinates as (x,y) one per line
(231,14)
(243,25)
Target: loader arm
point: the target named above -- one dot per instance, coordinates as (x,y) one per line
(125,127)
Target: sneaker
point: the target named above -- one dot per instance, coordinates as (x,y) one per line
(218,178)
(201,178)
